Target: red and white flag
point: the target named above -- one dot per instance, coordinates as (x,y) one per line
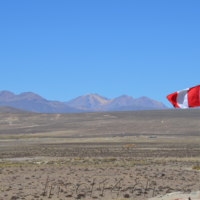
(187,98)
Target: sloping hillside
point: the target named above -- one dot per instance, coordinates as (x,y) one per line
(7,109)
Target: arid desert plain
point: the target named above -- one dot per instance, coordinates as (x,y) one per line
(105,155)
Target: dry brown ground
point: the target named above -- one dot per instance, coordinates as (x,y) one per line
(83,156)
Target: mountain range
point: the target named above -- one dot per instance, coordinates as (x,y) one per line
(95,102)
(87,103)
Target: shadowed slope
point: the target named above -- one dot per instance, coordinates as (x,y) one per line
(7,109)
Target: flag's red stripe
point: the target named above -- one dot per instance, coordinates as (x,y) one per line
(193,96)
(172,99)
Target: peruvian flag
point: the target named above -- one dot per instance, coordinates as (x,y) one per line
(187,98)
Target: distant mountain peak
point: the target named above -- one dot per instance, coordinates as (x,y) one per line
(5,92)
(87,101)
(29,96)
(6,95)
(124,97)
(95,95)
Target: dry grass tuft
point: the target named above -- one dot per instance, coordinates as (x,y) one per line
(196,167)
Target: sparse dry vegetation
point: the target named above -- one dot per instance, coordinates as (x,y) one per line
(77,149)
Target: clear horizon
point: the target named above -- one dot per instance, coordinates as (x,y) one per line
(61,50)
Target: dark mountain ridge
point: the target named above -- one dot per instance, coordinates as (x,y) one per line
(32,102)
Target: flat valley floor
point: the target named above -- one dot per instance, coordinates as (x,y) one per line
(114,155)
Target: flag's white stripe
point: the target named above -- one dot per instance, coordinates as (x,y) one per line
(182,99)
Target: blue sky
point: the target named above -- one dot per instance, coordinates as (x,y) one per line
(64,49)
